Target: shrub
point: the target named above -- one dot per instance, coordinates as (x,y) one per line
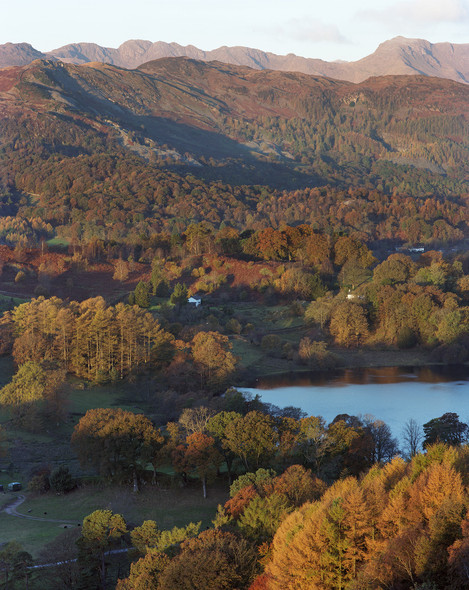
(20,276)
(61,480)
(39,483)
(270,342)
(233,326)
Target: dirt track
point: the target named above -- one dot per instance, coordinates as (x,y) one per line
(11,509)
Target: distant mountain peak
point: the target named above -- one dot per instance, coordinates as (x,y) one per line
(399,55)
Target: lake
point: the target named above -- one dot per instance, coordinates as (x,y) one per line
(392,394)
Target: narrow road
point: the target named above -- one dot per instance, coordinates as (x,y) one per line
(11,509)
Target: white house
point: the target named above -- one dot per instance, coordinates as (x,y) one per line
(195,300)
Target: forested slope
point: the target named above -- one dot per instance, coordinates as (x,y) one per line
(100,151)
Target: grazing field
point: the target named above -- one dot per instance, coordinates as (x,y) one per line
(168,504)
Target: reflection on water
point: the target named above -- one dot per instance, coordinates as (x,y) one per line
(393,394)
(361,376)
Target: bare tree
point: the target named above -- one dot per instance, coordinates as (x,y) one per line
(412,437)
(195,419)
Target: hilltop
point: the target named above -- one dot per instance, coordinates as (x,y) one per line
(398,56)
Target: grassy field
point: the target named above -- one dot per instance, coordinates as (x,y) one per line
(169,505)
(58,242)
(32,535)
(8,303)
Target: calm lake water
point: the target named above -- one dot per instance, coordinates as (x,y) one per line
(392,394)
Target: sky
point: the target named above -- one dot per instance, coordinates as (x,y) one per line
(326,29)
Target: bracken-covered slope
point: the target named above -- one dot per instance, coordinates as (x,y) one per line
(398,56)
(224,110)
(69,133)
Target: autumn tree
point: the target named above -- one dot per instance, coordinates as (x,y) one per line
(317,250)
(253,438)
(148,537)
(121,270)
(320,311)
(397,268)
(117,443)
(347,250)
(22,395)
(91,339)
(145,573)
(301,284)
(213,358)
(322,544)
(458,559)
(313,441)
(199,238)
(214,560)
(198,455)
(349,324)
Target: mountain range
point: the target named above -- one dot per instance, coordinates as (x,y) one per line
(398,56)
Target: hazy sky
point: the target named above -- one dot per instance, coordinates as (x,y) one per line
(329,29)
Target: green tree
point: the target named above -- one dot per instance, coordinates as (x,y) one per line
(3,445)
(179,294)
(101,531)
(61,480)
(158,278)
(446,429)
(262,516)
(142,294)
(22,567)
(8,557)
(145,536)
(216,427)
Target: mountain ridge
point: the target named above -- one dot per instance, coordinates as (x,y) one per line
(397,56)
(111,152)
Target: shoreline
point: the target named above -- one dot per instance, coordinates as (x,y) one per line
(349,359)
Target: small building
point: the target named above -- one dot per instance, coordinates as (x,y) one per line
(14,486)
(195,300)
(352,296)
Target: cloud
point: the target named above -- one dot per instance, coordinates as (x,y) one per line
(421,11)
(311,31)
